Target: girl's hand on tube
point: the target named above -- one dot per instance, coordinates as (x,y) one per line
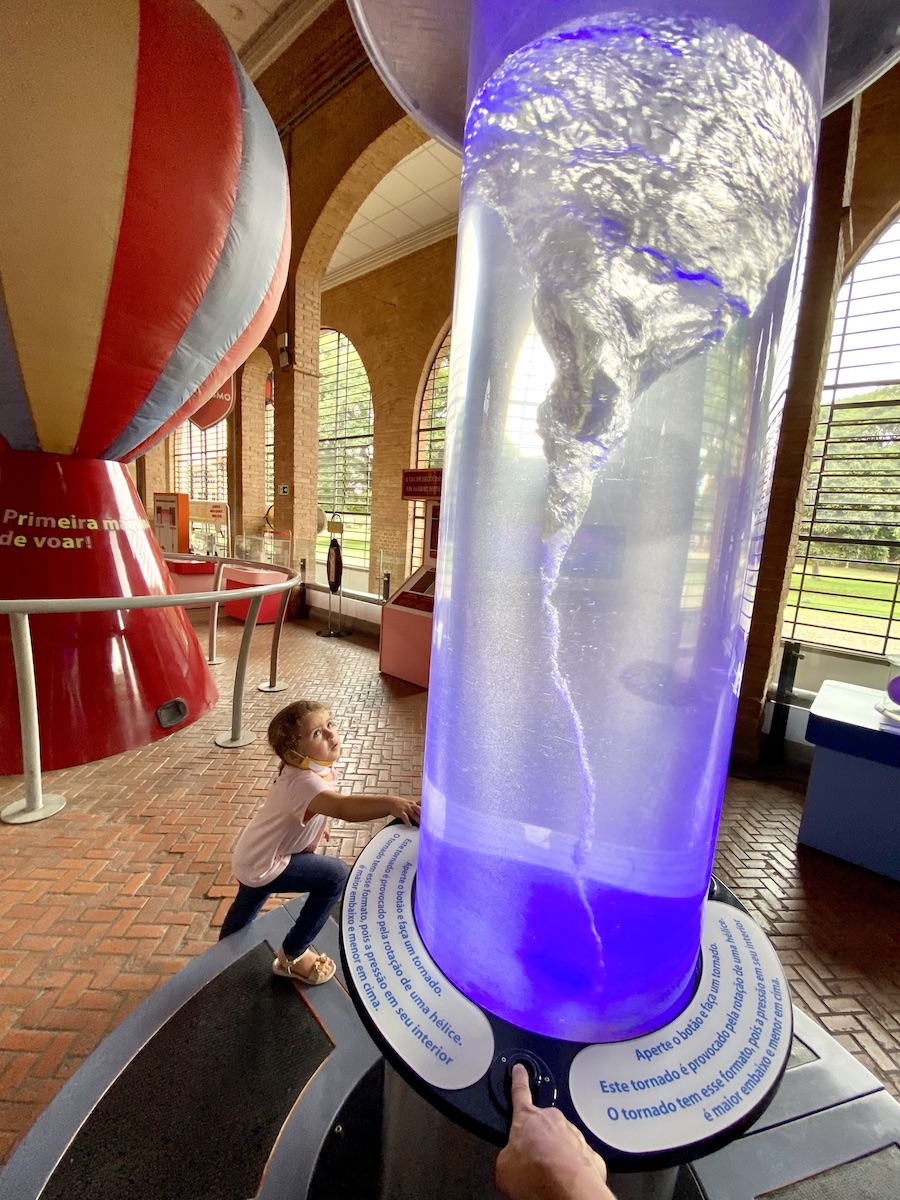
(407,809)
(546,1157)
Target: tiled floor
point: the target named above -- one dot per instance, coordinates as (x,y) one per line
(103,902)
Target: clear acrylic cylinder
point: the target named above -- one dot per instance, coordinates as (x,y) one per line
(633,185)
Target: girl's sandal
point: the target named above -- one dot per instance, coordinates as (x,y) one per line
(321,971)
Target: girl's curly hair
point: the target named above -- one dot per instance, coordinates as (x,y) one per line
(285,725)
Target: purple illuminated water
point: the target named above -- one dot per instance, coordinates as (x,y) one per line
(548,927)
(588,638)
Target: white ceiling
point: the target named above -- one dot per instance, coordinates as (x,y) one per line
(414,206)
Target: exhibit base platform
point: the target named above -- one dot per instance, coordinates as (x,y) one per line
(688,1092)
(648,1103)
(206,1091)
(228,1084)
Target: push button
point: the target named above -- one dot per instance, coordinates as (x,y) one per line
(543,1088)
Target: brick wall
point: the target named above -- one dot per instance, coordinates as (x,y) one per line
(250,443)
(394,316)
(299,455)
(357,181)
(154,472)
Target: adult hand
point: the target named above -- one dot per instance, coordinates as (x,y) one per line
(546,1157)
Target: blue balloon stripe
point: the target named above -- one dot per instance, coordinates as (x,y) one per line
(240,281)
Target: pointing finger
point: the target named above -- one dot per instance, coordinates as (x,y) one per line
(520,1089)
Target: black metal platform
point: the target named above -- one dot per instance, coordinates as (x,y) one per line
(228,1083)
(187,1099)
(197,1110)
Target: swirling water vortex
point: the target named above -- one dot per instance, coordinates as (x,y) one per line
(651,174)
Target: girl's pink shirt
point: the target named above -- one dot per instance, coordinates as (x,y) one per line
(279,827)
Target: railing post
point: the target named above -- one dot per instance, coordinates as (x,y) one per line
(236,737)
(773,750)
(275,684)
(214,615)
(36,806)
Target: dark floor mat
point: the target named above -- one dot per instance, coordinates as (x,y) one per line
(349,1163)
(195,1114)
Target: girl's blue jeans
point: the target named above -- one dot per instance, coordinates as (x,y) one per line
(322,877)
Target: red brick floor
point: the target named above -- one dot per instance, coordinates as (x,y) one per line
(103,902)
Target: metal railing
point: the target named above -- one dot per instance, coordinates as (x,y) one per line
(36,804)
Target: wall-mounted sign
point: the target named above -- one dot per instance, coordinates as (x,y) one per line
(422,484)
(216,408)
(212,511)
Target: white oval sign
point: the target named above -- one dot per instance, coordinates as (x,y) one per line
(707,1069)
(440,1034)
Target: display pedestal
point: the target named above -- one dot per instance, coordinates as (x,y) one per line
(73,528)
(451,1162)
(852,807)
(235,578)
(645,1104)
(406,627)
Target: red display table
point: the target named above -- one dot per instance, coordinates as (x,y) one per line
(242,577)
(192,577)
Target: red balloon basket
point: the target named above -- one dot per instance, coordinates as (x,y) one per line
(106,681)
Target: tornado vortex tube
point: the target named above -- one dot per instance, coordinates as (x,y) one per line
(633,185)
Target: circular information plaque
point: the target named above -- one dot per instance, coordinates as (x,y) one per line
(709,1068)
(440,1034)
(692,1084)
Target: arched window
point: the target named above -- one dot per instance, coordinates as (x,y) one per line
(201,461)
(345,449)
(532,375)
(845,586)
(430,436)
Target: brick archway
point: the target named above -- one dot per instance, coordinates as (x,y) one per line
(379,157)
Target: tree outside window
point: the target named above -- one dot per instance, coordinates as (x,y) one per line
(845,584)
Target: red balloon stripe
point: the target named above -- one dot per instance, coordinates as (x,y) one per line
(236,356)
(186,144)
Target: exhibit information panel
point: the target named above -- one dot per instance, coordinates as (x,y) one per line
(445,1038)
(685,1084)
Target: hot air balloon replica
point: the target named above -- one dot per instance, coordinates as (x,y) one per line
(144,243)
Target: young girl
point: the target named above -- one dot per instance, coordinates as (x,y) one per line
(275,851)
